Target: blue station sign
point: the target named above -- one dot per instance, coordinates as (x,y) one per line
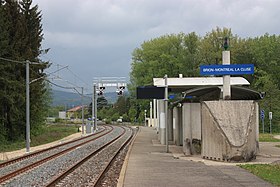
(231,69)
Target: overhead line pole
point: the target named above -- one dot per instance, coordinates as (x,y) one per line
(83,120)
(28,82)
(27,109)
(93,108)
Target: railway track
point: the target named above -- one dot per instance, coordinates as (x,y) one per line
(56,169)
(30,155)
(14,167)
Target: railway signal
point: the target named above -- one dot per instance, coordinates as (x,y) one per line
(100,92)
(120,90)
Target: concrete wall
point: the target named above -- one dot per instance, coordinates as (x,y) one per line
(191,120)
(161,115)
(229,130)
(170,124)
(177,126)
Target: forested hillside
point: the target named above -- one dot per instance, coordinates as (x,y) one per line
(62,98)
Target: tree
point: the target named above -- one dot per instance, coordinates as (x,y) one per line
(132,114)
(33,39)
(211,45)
(12,96)
(21,37)
(169,54)
(183,53)
(101,102)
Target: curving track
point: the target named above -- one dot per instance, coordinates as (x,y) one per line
(83,162)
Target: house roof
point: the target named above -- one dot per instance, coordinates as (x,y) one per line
(75,109)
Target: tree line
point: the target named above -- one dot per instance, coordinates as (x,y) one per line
(21,35)
(175,54)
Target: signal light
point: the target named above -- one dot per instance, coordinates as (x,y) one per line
(120,93)
(120,90)
(100,92)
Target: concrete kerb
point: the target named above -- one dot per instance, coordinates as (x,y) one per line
(125,163)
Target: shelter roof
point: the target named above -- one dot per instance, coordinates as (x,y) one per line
(198,81)
(214,93)
(183,84)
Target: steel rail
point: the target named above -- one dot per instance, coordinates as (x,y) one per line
(18,159)
(40,162)
(79,163)
(97,181)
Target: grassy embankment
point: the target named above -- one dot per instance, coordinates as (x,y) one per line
(48,134)
(267,138)
(268,172)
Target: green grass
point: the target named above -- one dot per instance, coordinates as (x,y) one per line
(267,172)
(267,138)
(48,134)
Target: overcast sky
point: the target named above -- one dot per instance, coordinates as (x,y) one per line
(96,37)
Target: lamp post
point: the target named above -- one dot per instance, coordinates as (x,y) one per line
(226,78)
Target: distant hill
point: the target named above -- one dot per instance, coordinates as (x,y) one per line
(69,99)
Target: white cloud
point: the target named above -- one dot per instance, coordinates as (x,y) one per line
(118,26)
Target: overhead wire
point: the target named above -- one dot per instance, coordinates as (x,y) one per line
(22,62)
(77,76)
(15,61)
(63,67)
(64,87)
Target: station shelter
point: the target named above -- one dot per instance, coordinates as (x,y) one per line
(202,123)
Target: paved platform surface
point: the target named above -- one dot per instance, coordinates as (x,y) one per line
(148,165)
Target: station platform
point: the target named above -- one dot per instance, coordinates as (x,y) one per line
(148,165)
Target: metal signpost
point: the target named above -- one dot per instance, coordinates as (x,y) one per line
(262,117)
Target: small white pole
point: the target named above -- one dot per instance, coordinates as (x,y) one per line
(155,113)
(166,110)
(226,78)
(151,113)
